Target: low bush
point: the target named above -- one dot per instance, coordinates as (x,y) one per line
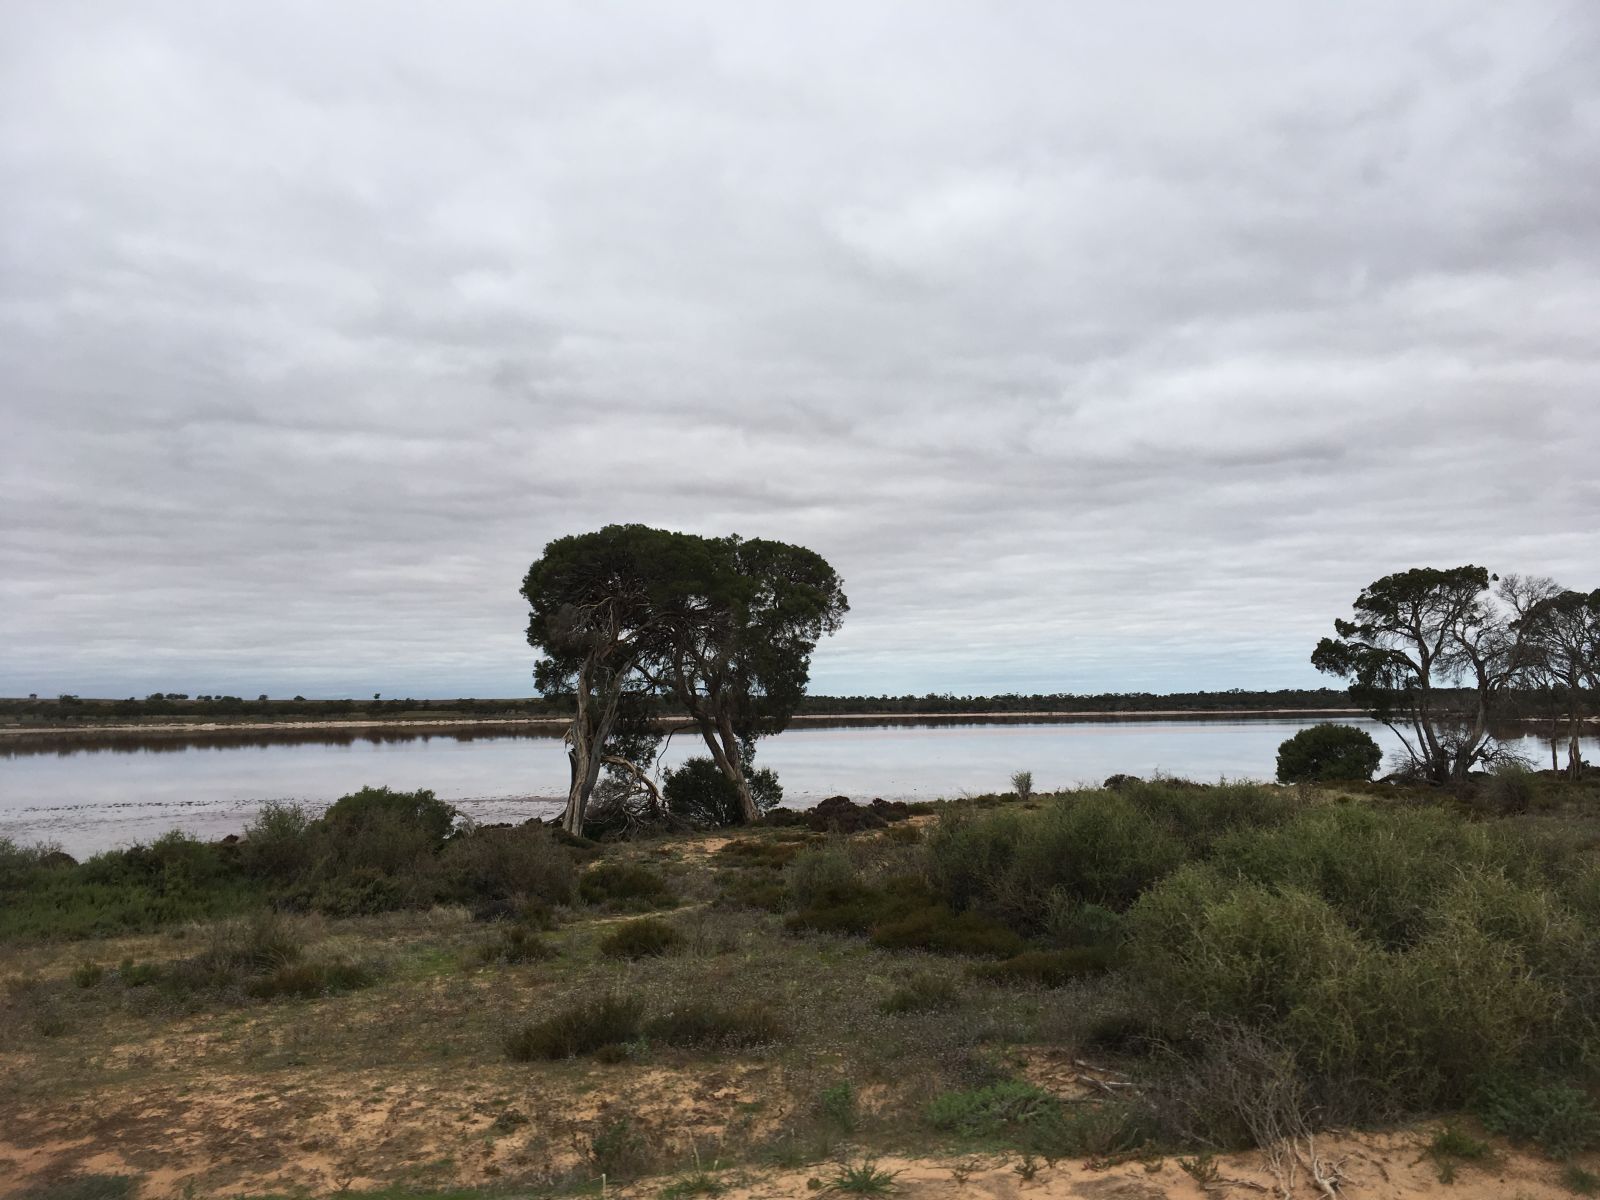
(753,889)
(1325,752)
(308,980)
(647,937)
(584,1027)
(921,994)
(757,852)
(515,944)
(1046,968)
(1026,1117)
(620,1150)
(87,974)
(836,1105)
(279,843)
(698,792)
(938,928)
(625,887)
(710,1026)
(1560,1119)
(500,870)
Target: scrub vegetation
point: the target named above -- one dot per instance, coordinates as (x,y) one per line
(1156,969)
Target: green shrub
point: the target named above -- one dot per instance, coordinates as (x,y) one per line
(1580,1181)
(647,937)
(625,887)
(279,843)
(921,994)
(758,852)
(698,792)
(83,1187)
(1019,1114)
(938,928)
(308,980)
(823,877)
(1326,752)
(354,818)
(1094,847)
(836,1104)
(1560,1119)
(515,944)
(580,1028)
(619,1150)
(862,1179)
(711,1026)
(1002,1109)
(1509,789)
(754,889)
(1451,1144)
(87,974)
(499,871)
(1046,968)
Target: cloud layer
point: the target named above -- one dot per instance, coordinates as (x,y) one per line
(1098,350)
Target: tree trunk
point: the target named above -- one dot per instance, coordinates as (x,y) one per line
(724,747)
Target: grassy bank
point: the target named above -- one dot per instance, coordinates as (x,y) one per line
(1150,976)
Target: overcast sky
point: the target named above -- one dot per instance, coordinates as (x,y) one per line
(1098,347)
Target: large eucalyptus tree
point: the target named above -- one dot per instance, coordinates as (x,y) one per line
(720,629)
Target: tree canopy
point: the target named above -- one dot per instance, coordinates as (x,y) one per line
(725,627)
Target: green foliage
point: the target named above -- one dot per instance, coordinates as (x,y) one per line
(701,1183)
(1325,752)
(837,1106)
(83,1187)
(1020,1115)
(1046,968)
(517,943)
(87,974)
(620,1150)
(1560,1119)
(278,843)
(921,994)
(1450,1145)
(1579,1180)
(580,1028)
(503,871)
(713,1026)
(863,1179)
(625,887)
(699,792)
(648,937)
(1097,847)
(938,928)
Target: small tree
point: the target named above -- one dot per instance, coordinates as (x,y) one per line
(1325,752)
(699,791)
(743,618)
(1428,654)
(1022,784)
(1563,630)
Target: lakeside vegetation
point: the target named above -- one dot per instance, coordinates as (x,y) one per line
(1242,962)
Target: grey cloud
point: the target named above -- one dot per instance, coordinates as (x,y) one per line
(1098,350)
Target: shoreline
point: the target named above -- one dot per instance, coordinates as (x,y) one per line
(556,723)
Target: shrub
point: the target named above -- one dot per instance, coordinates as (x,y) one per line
(938,928)
(1022,785)
(308,980)
(1509,789)
(87,974)
(754,889)
(698,792)
(823,876)
(619,1150)
(1559,1118)
(625,886)
(863,1179)
(580,1028)
(756,852)
(515,944)
(1046,968)
(1095,847)
(998,1110)
(353,818)
(837,1106)
(279,843)
(84,1187)
(713,1026)
(498,871)
(647,937)
(920,994)
(1325,752)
